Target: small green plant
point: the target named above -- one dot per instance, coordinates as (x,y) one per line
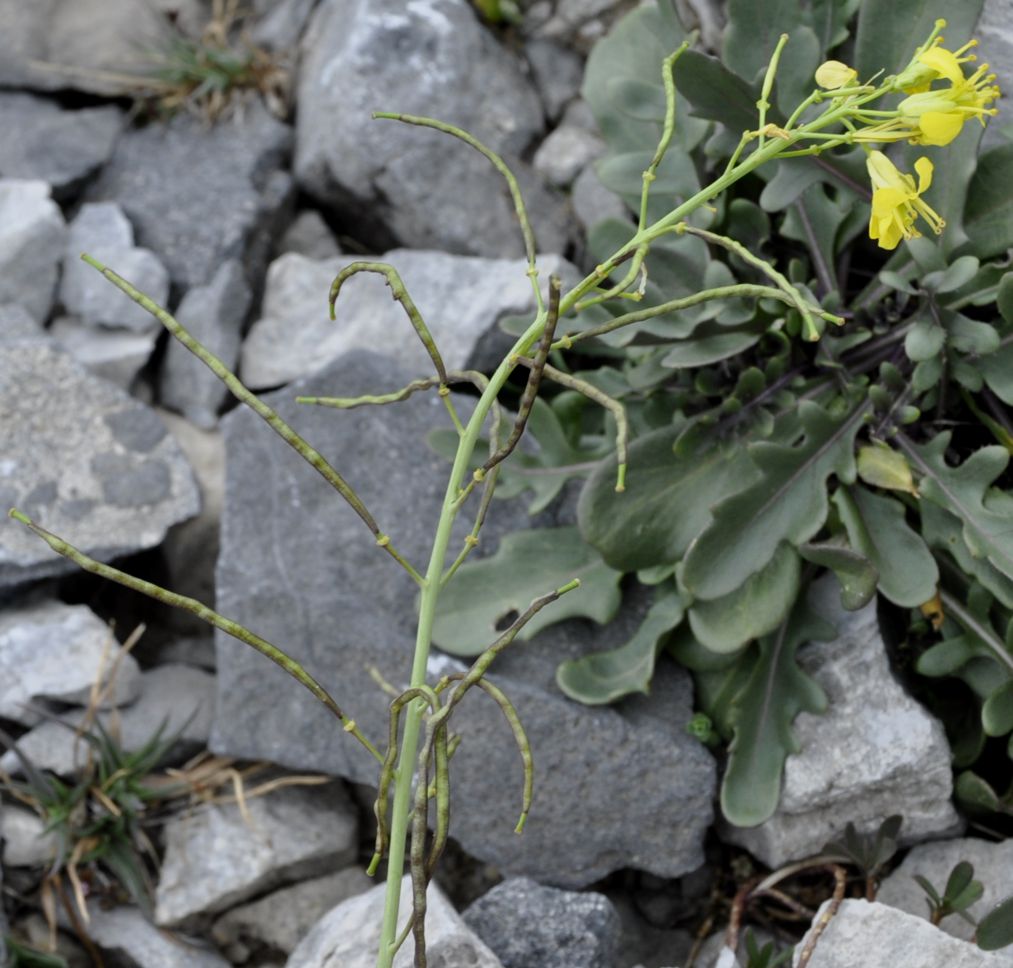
(961,891)
(870,853)
(766,956)
(728,572)
(22,956)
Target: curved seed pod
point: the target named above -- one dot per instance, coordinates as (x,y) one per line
(400,294)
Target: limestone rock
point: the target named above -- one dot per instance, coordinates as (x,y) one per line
(26,842)
(17,325)
(874,753)
(526,924)
(214,859)
(309,235)
(593,202)
(104,232)
(993,866)
(876,936)
(281,920)
(461,298)
(176,699)
(32,232)
(116,355)
(54,651)
(58,146)
(995,31)
(348,936)
(197,196)
(299,568)
(421,189)
(557,71)
(565,153)
(213,314)
(128,935)
(85,460)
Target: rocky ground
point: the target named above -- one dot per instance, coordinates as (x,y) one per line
(113,436)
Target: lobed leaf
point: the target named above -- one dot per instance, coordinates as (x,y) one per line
(479,602)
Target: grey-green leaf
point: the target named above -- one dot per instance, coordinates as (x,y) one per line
(876,526)
(776,692)
(997,712)
(759,606)
(788,503)
(666,504)
(995,929)
(855,572)
(478,603)
(604,677)
(988,215)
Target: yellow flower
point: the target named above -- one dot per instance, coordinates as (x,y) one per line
(833,74)
(896,202)
(938,114)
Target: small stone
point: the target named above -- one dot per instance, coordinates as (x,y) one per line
(60,147)
(104,232)
(198,196)
(309,235)
(876,936)
(174,701)
(128,935)
(461,298)
(557,70)
(26,842)
(526,924)
(85,460)
(283,918)
(116,355)
(32,234)
(593,203)
(214,859)
(993,866)
(565,153)
(995,32)
(280,23)
(213,314)
(54,651)
(874,753)
(348,936)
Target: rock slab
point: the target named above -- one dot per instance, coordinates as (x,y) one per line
(427,190)
(876,936)
(348,936)
(215,859)
(461,299)
(874,753)
(527,924)
(84,460)
(127,935)
(622,786)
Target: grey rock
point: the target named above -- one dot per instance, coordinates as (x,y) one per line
(104,232)
(116,355)
(617,786)
(280,23)
(17,325)
(191,548)
(526,924)
(135,942)
(31,245)
(309,235)
(581,22)
(426,190)
(643,942)
(876,936)
(874,753)
(993,866)
(176,699)
(214,315)
(199,196)
(56,44)
(593,203)
(26,842)
(87,461)
(557,70)
(565,153)
(461,298)
(348,936)
(214,859)
(54,651)
(60,147)
(995,31)
(283,918)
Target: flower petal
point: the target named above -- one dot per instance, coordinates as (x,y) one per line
(940,127)
(943,62)
(924,168)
